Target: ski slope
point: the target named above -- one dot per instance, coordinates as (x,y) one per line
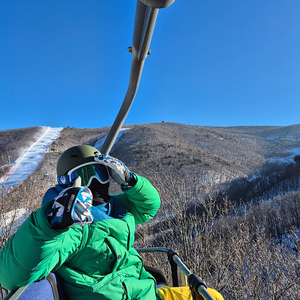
(98,145)
(28,162)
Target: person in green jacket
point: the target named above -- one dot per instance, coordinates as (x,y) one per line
(84,234)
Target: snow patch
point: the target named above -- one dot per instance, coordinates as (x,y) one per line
(287,159)
(291,240)
(98,145)
(13,219)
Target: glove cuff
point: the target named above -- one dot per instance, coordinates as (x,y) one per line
(131,180)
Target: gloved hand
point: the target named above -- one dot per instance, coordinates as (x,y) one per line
(71,207)
(118,171)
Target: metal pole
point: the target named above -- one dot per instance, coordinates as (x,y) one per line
(135,76)
(145,18)
(201,289)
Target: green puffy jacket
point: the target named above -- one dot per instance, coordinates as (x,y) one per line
(96,261)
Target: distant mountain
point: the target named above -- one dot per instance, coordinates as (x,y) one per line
(222,152)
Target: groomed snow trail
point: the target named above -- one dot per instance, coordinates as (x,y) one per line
(26,164)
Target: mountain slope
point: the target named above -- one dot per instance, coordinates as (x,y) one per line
(222,153)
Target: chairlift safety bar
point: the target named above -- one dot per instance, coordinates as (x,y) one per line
(185,272)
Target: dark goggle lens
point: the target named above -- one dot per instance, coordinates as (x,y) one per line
(86,172)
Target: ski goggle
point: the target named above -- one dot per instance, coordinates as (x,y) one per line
(87,172)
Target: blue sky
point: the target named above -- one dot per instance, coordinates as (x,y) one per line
(212,63)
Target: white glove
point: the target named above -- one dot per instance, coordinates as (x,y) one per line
(118,171)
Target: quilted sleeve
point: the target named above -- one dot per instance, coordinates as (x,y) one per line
(142,200)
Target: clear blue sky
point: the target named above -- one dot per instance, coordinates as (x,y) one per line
(213,62)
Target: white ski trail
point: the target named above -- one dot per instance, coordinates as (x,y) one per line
(26,164)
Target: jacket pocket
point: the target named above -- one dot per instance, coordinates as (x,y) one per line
(139,289)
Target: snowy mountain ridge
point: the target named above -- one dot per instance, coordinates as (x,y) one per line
(237,149)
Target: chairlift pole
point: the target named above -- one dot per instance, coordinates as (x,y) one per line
(145,18)
(195,283)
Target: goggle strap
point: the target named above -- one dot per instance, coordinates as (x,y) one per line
(63,180)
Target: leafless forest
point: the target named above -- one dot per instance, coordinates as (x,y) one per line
(230,198)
